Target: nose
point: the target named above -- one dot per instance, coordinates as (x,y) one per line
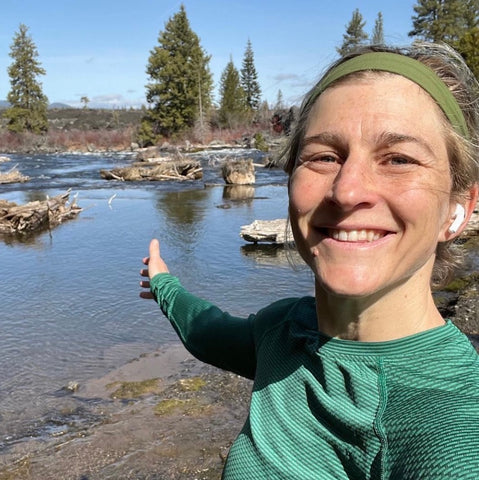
(355,184)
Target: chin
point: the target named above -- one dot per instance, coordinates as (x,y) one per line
(348,291)
(349,284)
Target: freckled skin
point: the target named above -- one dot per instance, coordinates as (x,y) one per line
(372,161)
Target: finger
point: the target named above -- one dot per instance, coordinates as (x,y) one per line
(147,295)
(146,260)
(155,249)
(155,263)
(145,284)
(144,272)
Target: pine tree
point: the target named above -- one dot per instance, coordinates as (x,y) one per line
(444,20)
(279,105)
(378,32)
(455,22)
(232,97)
(468,45)
(180,82)
(355,34)
(28,104)
(249,79)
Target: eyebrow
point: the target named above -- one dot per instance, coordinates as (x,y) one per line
(391,138)
(383,139)
(326,138)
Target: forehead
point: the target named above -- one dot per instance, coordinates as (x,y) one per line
(378,100)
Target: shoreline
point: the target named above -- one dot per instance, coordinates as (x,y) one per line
(182,429)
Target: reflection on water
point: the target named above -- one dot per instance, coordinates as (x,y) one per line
(238,192)
(183,214)
(70,304)
(273,255)
(34,196)
(183,208)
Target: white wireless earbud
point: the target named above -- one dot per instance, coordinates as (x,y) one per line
(459,216)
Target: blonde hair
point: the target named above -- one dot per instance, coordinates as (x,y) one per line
(463,151)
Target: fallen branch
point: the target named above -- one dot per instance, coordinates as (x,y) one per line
(165,170)
(23,219)
(13,176)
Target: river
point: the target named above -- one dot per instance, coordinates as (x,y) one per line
(70,305)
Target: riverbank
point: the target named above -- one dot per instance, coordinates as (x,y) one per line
(164,415)
(104,131)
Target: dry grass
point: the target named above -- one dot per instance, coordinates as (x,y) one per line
(101,130)
(68,140)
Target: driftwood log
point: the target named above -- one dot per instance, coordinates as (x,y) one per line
(265,231)
(37,215)
(13,176)
(165,170)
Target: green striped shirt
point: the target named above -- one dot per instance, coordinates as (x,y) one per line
(330,409)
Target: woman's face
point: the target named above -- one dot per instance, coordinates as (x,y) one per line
(370,193)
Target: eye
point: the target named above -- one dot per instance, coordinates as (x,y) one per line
(401,160)
(326,157)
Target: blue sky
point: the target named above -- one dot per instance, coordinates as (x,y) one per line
(100,49)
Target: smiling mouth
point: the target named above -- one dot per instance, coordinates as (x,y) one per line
(355,235)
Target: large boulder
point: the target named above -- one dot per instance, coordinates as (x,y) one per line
(238,172)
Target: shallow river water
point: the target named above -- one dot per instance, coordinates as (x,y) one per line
(70,309)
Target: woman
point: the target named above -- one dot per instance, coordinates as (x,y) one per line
(366,380)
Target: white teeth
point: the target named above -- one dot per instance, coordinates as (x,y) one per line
(355,235)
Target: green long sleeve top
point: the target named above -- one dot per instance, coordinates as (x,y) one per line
(330,409)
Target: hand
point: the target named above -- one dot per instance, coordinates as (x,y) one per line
(155,265)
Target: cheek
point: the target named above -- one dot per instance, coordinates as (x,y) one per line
(426,210)
(304,194)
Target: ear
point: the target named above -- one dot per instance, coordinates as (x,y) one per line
(469,203)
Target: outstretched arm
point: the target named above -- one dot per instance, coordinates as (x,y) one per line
(210,334)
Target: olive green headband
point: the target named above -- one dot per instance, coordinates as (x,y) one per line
(409,68)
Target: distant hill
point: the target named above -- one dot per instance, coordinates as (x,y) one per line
(5,104)
(58,105)
(63,117)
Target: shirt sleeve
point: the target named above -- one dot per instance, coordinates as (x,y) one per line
(208,333)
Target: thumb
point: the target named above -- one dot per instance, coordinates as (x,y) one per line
(155,263)
(154,250)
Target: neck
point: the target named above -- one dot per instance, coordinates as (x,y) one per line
(398,312)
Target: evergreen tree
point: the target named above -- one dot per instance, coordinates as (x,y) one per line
(279,105)
(249,79)
(378,32)
(468,45)
(232,97)
(264,113)
(28,104)
(180,82)
(444,20)
(455,22)
(355,34)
